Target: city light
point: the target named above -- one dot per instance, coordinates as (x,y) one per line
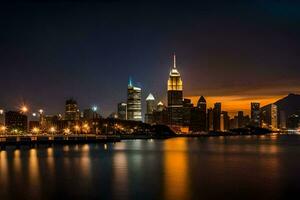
(34,114)
(24,109)
(67,131)
(3,129)
(1,112)
(95,108)
(52,130)
(41,111)
(77,128)
(86,128)
(35,130)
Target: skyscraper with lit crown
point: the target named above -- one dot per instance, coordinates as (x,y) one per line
(150,105)
(175,96)
(134,105)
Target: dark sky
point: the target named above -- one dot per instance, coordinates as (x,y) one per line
(88,50)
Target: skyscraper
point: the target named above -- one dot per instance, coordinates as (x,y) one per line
(160,114)
(175,97)
(269,116)
(134,105)
(198,116)
(217,116)
(202,108)
(72,111)
(150,103)
(122,111)
(210,119)
(255,114)
(240,119)
(187,107)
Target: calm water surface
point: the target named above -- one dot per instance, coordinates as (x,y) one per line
(256,167)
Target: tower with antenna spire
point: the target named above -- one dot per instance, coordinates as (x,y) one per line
(175,96)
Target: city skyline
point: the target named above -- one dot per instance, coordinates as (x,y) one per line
(164,100)
(90,54)
(231,104)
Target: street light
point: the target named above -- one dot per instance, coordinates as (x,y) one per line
(24,109)
(67,131)
(94,108)
(52,130)
(3,129)
(77,128)
(86,127)
(35,130)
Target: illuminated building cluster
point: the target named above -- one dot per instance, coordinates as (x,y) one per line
(179,113)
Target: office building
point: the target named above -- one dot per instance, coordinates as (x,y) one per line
(269,116)
(134,105)
(217,117)
(175,97)
(225,121)
(198,116)
(72,112)
(240,118)
(187,107)
(16,121)
(255,114)
(210,119)
(160,114)
(122,111)
(150,105)
(90,114)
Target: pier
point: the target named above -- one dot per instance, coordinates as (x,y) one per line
(32,141)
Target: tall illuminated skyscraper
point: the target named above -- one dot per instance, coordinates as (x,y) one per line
(269,116)
(175,96)
(134,105)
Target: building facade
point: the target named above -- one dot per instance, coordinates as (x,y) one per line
(122,111)
(72,112)
(269,116)
(150,107)
(16,121)
(217,117)
(175,97)
(134,105)
(255,114)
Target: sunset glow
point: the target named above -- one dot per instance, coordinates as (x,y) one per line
(233,104)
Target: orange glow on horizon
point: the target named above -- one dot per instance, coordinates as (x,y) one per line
(233,104)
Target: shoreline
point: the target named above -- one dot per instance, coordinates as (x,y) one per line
(32,141)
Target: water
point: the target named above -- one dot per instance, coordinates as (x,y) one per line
(256,167)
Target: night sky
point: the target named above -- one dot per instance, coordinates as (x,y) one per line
(239,51)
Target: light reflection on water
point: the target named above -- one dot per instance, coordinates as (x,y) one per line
(34,173)
(120,175)
(176,169)
(179,168)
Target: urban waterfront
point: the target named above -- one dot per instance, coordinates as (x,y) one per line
(233,167)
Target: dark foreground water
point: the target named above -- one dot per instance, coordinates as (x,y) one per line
(257,167)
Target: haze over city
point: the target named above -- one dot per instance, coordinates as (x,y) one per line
(233,53)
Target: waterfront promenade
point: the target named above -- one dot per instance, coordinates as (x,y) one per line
(32,140)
